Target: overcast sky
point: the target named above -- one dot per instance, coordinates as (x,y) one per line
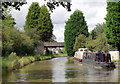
(94,12)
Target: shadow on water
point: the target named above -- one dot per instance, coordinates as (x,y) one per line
(61,70)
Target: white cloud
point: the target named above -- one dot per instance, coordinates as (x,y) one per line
(94,12)
(59,32)
(59,15)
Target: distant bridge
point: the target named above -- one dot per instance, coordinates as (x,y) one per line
(53,44)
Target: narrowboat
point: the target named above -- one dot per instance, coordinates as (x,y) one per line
(79,54)
(98,59)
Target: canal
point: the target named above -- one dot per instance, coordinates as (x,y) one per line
(61,70)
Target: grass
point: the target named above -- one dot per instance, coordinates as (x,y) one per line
(13,62)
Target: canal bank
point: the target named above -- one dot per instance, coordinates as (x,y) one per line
(60,70)
(13,62)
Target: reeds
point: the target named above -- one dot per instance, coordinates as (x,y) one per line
(13,62)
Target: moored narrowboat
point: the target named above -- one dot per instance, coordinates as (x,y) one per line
(79,54)
(98,59)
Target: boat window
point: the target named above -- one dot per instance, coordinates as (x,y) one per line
(81,50)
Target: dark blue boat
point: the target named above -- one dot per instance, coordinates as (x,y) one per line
(98,59)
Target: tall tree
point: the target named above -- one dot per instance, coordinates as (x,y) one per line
(32,16)
(112,29)
(38,23)
(74,26)
(45,27)
(31,24)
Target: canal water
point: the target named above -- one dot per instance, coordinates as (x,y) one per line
(61,70)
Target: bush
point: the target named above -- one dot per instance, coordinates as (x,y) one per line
(80,42)
(15,41)
(10,62)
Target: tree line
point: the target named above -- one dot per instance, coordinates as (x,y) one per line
(77,36)
(38,28)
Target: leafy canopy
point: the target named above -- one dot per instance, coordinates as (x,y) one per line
(80,42)
(74,26)
(45,27)
(38,23)
(112,30)
(13,40)
(32,16)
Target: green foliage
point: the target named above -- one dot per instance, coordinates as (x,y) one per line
(99,29)
(63,50)
(97,44)
(74,26)
(7,25)
(14,62)
(32,16)
(31,24)
(96,39)
(80,42)
(38,24)
(53,39)
(112,30)
(10,62)
(45,26)
(13,40)
(93,34)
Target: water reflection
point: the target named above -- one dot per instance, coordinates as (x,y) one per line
(70,73)
(58,69)
(61,70)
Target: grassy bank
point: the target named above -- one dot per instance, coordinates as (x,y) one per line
(13,62)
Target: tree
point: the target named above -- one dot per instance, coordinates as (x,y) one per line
(112,30)
(74,26)
(32,17)
(38,24)
(7,25)
(80,42)
(13,40)
(31,24)
(53,38)
(96,44)
(99,29)
(45,27)
(93,34)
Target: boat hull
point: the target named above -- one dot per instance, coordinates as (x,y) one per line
(78,59)
(95,64)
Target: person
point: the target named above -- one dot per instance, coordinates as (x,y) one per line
(100,56)
(109,57)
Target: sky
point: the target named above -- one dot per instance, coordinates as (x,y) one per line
(93,10)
